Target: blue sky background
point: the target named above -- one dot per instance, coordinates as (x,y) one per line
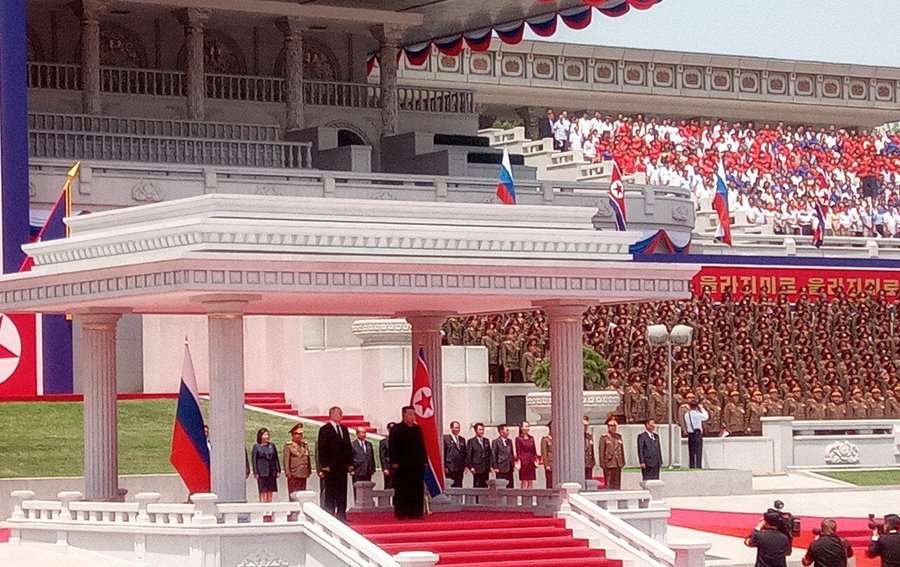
(837,31)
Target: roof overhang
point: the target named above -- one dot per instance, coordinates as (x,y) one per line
(313,256)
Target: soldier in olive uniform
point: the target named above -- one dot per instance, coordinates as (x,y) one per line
(472,336)
(511,357)
(589,459)
(489,340)
(892,404)
(793,406)
(816,408)
(530,359)
(735,420)
(755,412)
(773,403)
(658,409)
(640,404)
(836,408)
(857,408)
(877,406)
(713,425)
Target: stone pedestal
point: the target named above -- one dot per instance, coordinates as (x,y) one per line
(194,20)
(781,431)
(97,369)
(566,385)
(293,73)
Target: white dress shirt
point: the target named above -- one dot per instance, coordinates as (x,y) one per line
(694,419)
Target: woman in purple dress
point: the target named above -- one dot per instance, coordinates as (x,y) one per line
(526,456)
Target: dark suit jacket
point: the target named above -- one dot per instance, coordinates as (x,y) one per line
(363,461)
(545,128)
(384,454)
(265,461)
(334,452)
(478,454)
(454,453)
(649,451)
(502,454)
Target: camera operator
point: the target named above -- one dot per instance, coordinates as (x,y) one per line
(772,545)
(886,542)
(828,549)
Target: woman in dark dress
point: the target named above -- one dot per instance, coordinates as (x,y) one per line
(526,456)
(266,468)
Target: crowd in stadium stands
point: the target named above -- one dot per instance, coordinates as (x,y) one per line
(753,355)
(775,172)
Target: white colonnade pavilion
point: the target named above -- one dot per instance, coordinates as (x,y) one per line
(230,256)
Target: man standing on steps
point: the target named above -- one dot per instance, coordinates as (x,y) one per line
(693,421)
(478,457)
(385,458)
(649,451)
(408,461)
(455,455)
(335,460)
(363,458)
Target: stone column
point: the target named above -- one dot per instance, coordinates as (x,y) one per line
(225,326)
(389,38)
(426,333)
(293,73)
(193,20)
(531,115)
(90,11)
(97,369)
(566,390)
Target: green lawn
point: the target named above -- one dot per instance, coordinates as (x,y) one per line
(46,439)
(865,478)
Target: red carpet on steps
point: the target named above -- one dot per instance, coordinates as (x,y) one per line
(510,539)
(740,524)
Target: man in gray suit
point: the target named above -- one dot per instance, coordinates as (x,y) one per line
(363,457)
(478,457)
(455,455)
(649,451)
(502,457)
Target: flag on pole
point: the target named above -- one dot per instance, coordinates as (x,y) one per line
(190,453)
(720,205)
(506,187)
(617,197)
(55,227)
(422,402)
(818,235)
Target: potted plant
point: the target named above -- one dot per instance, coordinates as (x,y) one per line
(597,401)
(594,371)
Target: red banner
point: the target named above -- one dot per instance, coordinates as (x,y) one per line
(792,280)
(18,355)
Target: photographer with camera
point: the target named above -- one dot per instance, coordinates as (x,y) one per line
(885,540)
(772,545)
(828,549)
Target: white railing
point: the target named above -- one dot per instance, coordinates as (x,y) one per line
(58,76)
(619,500)
(153,127)
(627,536)
(167,149)
(496,497)
(245,88)
(845,427)
(249,88)
(146,517)
(122,80)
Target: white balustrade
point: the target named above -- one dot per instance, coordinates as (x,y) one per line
(58,76)
(156,82)
(356,549)
(245,87)
(153,127)
(614,500)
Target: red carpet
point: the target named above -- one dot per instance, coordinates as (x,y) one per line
(740,524)
(509,539)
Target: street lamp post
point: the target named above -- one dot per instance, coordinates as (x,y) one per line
(681,335)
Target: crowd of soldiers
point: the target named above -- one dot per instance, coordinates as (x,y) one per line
(821,356)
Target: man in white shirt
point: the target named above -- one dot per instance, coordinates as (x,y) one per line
(693,423)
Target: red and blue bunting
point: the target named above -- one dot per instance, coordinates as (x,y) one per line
(661,242)
(512,32)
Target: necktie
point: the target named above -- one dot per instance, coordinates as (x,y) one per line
(338,429)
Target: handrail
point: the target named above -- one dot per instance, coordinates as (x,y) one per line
(621,529)
(355,547)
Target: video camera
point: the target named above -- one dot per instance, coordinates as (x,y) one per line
(787,523)
(892,519)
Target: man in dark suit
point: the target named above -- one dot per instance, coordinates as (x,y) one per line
(545,125)
(335,460)
(455,455)
(478,457)
(502,456)
(363,457)
(649,451)
(384,453)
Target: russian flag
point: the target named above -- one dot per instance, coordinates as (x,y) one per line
(617,196)
(422,403)
(190,453)
(506,187)
(818,235)
(720,205)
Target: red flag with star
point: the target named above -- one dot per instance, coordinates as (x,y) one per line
(422,403)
